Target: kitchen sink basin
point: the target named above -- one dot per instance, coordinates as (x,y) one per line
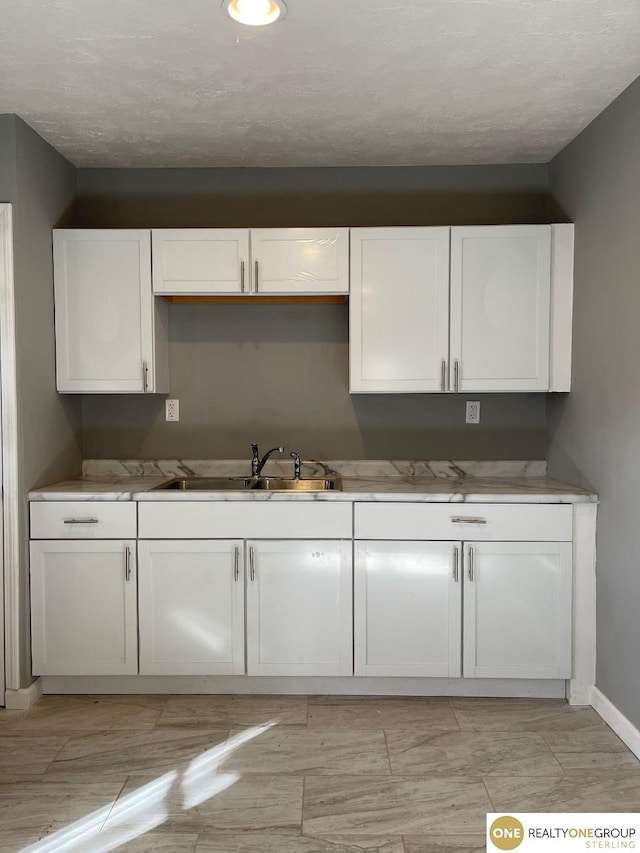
(242,484)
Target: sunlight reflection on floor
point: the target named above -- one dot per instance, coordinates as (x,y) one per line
(147,807)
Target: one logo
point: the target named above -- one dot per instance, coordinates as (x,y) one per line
(506,833)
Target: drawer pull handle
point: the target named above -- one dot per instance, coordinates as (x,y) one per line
(252,563)
(127,563)
(81,521)
(470,567)
(456,564)
(468,519)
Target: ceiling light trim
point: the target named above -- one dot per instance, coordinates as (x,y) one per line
(255,13)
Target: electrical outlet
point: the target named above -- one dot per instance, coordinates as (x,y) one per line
(172,410)
(473,411)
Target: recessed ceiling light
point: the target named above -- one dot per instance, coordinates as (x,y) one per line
(255,13)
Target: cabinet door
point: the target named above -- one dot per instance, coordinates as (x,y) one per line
(408,608)
(300,260)
(104,313)
(200,260)
(299,608)
(399,309)
(517,610)
(191,607)
(83,607)
(500,296)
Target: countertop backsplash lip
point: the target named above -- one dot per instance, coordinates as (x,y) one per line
(363,480)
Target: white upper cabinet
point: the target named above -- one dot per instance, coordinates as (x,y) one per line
(517,610)
(399,309)
(200,260)
(500,306)
(110,335)
(219,261)
(300,260)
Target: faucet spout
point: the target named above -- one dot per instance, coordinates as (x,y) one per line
(257,463)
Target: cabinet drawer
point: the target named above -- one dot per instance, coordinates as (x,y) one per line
(240,520)
(471,522)
(82,520)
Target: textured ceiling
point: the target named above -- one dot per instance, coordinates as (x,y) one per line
(336,83)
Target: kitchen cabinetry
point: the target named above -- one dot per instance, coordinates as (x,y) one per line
(512,598)
(517,610)
(191,605)
(499,319)
(83,607)
(408,598)
(399,309)
(111,336)
(299,608)
(500,306)
(219,261)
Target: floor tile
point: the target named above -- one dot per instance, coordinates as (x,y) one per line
(590,762)
(149,842)
(9,719)
(137,752)
(445,844)
(522,715)
(393,805)
(249,843)
(470,753)
(200,799)
(616,791)
(234,711)
(312,752)
(597,739)
(70,714)
(23,754)
(364,712)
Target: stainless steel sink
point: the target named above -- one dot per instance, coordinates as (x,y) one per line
(271,484)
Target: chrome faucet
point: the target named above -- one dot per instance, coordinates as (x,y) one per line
(257,464)
(297,465)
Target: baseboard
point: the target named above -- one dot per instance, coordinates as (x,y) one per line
(616,720)
(25,698)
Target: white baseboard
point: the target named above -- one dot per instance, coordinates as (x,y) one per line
(25,698)
(616,720)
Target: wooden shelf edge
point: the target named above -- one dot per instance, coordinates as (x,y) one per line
(253,299)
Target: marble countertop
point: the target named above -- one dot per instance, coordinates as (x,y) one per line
(440,482)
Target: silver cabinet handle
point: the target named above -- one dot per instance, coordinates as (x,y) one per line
(145,376)
(443,375)
(456,375)
(252,563)
(236,563)
(241,276)
(127,563)
(456,564)
(468,519)
(255,278)
(81,521)
(470,572)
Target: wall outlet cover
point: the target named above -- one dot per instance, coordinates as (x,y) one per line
(473,411)
(172,410)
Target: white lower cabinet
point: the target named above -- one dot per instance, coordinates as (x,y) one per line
(408,598)
(83,607)
(299,607)
(191,595)
(517,610)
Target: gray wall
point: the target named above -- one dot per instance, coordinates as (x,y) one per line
(49,425)
(280,374)
(596,429)
(8,177)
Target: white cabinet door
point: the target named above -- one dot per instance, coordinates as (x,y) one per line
(408,608)
(299,608)
(517,610)
(200,260)
(110,337)
(500,294)
(191,609)
(399,309)
(83,607)
(300,260)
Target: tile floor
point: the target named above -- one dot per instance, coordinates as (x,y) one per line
(278,774)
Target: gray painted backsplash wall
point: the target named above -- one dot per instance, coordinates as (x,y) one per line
(596,428)
(278,373)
